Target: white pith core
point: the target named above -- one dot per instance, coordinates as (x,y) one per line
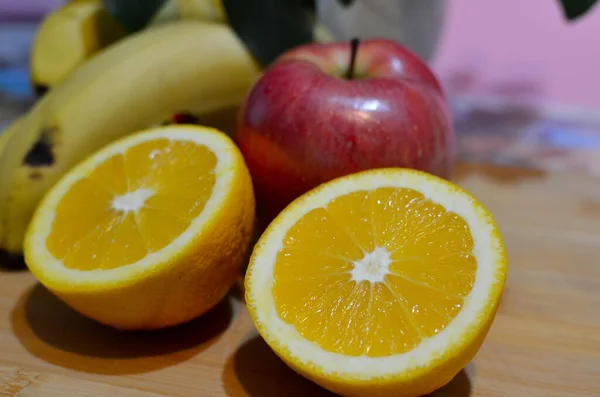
(373,267)
(132,201)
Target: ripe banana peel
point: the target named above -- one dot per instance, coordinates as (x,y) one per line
(7,133)
(211,10)
(165,14)
(68,37)
(182,67)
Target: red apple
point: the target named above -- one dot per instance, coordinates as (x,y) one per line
(326,110)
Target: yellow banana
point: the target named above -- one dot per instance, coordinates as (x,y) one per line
(210,10)
(79,29)
(69,36)
(192,67)
(8,132)
(167,13)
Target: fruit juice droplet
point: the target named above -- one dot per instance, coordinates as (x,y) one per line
(153,154)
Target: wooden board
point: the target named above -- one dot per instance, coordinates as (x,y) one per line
(545,340)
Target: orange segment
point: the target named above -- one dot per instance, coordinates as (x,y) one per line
(318,232)
(374,272)
(159,228)
(111,175)
(84,197)
(132,204)
(392,330)
(169,166)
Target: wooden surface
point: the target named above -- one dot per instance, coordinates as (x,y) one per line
(545,340)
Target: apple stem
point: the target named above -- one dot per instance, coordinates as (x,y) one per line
(353,50)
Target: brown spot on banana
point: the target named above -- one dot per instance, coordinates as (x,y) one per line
(40,154)
(35,175)
(40,90)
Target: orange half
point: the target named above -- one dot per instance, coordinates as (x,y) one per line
(378,283)
(148,232)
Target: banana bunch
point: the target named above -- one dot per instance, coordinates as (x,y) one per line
(77,31)
(193,67)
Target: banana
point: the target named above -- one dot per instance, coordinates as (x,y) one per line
(8,132)
(167,13)
(186,66)
(68,37)
(79,29)
(7,260)
(209,10)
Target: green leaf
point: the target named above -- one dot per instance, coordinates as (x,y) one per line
(574,9)
(309,4)
(268,28)
(134,15)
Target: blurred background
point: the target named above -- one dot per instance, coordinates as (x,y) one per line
(522,81)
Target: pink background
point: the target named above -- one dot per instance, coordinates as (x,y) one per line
(516,46)
(507,47)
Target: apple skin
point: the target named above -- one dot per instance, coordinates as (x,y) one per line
(303,123)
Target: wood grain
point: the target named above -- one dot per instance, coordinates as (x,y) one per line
(545,340)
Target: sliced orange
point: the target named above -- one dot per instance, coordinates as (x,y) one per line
(149,232)
(381,283)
